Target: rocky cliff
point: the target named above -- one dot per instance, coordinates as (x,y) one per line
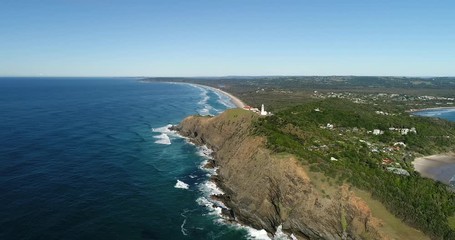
(266,190)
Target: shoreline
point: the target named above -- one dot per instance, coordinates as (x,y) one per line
(253,185)
(429,109)
(235,100)
(216,197)
(210,165)
(439,167)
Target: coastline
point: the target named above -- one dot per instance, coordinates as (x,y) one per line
(270,195)
(429,109)
(235,100)
(440,167)
(213,191)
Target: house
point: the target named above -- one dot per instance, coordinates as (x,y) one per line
(399,144)
(387,161)
(398,171)
(404,131)
(377,132)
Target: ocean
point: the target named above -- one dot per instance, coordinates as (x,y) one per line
(91,158)
(444,113)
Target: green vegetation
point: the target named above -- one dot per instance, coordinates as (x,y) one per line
(349,152)
(237,112)
(452,222)
(277,92)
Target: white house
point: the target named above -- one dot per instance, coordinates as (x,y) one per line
(377,132)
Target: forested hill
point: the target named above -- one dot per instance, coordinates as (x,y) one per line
(365,145)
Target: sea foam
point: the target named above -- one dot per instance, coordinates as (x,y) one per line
(209,188)
(164,129)
(163,139)
(257,234)
(436,112)
(224,99)
(181,185)
(205,107)
(205,152)
(262,234)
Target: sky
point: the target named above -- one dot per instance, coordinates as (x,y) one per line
(227,37)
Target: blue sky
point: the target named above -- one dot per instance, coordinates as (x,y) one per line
(218,38)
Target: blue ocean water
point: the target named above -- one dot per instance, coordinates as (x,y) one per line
(444,113)
(88,158)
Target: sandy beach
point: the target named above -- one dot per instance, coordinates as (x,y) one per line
(237,102)
(439,167)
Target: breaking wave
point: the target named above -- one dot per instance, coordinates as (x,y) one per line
(181,185)
(205,107)
(225,100)
(164,138)
(435,112)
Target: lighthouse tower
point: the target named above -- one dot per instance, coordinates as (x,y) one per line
(263,112)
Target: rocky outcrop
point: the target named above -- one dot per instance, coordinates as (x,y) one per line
(265,190)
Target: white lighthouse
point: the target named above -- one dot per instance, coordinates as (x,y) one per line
(263,112)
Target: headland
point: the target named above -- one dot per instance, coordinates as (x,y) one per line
(293,172)
(268,190)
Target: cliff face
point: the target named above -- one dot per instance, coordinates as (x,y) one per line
(265,190)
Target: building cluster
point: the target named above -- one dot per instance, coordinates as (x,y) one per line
(327,126)
(390,152)
(415,101)
(429,98)
(402,131)
(385,113)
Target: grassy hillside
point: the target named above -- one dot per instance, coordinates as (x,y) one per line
(336,137)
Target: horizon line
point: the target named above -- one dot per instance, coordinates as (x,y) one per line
(227,76)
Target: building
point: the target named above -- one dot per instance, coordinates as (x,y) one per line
(377,132)
(263,112)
